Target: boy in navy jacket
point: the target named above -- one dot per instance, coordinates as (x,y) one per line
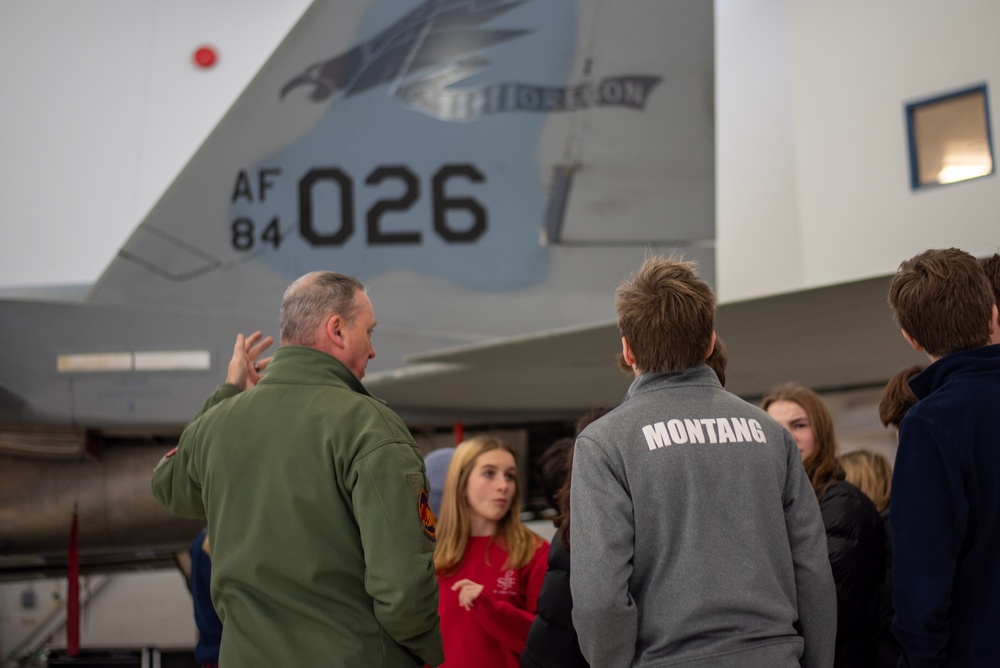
(945,502)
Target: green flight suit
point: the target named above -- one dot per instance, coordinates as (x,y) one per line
(315,494)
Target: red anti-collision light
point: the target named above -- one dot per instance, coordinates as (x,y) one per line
(205,57)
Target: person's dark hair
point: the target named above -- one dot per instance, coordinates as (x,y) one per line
(311,300)
(822,465)
(718,360)
(991,267)
(550,470)
(588,417)
(562,494)
(942,299)
(666,314)
(562,519)
(897,397)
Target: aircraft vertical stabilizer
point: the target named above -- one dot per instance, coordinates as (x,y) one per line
(489,169)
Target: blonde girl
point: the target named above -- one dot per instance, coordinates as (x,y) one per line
(490,566)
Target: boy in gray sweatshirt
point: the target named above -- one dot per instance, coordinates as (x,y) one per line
(697,539)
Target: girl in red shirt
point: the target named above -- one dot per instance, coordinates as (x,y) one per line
(489,566)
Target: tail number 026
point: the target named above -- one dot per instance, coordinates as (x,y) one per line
(456,219)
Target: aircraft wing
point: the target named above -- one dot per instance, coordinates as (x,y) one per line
(830,338)
(559,373)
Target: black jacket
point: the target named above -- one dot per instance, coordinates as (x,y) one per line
(552,641)
(855,538)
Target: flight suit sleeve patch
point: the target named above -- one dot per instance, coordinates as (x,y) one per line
(428,538)
(165,458)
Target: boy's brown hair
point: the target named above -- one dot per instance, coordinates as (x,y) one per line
(991,267)
(941,298)
(897,397)
(666,314)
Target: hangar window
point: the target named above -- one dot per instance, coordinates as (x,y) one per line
(949,137)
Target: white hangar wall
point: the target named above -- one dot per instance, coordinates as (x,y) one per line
(813,174)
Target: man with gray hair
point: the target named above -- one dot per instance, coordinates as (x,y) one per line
(315,495)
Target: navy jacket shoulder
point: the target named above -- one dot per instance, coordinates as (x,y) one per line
(946,514)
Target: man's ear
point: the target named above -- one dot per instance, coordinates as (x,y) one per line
(711,345)
(994,326)
(334,331)
(912,341)
(627,354)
